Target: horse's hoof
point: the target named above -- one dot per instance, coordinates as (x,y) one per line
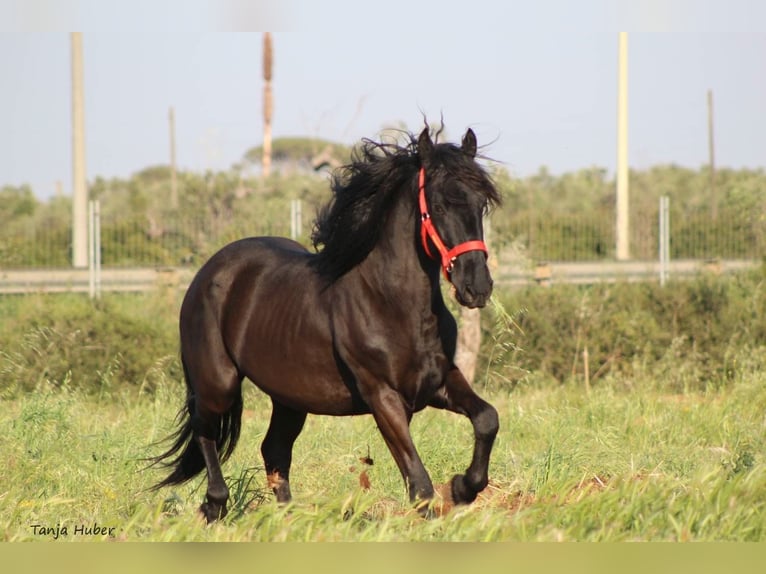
(212,512)
(460,492)
(439,505)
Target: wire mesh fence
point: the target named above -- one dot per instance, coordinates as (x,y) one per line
(175,240)
(591,237)
(139,240)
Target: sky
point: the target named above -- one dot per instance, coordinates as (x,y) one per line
(536,81)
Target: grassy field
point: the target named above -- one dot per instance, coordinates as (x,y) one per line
(624,462)
(666,443)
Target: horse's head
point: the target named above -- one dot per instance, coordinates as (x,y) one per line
(454,194)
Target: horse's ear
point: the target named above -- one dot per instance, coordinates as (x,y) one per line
(469,143)
(425,146)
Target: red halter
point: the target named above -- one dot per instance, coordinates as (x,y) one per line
(427,230)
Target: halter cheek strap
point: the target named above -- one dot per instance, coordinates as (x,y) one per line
(428,231)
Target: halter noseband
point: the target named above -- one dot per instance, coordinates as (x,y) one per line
(427,230)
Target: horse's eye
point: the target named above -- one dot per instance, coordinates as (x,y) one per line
(439,209)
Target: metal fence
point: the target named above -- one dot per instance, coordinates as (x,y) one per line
(141,241)
(591,237)
(135,241)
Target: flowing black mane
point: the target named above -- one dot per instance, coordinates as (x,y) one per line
(347,228)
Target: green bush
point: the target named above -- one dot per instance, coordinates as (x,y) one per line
(688,335)
(96,346)
(707,329)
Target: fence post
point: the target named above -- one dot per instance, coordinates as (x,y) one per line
(97,245)
(91,253)
(296,219)
(664,238)
(94,249)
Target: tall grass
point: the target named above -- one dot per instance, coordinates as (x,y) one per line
(614,465)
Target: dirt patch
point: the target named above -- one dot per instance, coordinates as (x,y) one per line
(518,500)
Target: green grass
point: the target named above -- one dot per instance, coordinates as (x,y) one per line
(669,445)
(613,465)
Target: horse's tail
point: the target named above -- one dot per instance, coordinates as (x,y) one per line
(184,455)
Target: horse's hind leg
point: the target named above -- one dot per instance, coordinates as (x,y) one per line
(458,396)
(217,493)
(277,447)
(216,386)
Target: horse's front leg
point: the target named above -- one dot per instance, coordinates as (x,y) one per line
(393,420)
(458,396)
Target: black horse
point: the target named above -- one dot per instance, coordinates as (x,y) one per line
(358,327)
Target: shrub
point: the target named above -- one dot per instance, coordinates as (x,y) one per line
(687,335)
(703,327)
(95,346)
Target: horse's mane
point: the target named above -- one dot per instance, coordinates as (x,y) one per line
(364,191)
(347,228)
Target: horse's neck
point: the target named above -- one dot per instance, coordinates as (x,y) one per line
(395,265)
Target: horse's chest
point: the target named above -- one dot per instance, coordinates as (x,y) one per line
(426,373)
(409,356)
(427,380)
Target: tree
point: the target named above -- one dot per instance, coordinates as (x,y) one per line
(16,202)
(296,154)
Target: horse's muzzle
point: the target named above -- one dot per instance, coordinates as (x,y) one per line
(472,280)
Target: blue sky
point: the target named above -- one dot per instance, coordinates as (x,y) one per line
(535,80)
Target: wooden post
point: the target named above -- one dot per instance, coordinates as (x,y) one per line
(468,342)
(622,224)
(268,104)
(543,273)
(79,187)
(469,329)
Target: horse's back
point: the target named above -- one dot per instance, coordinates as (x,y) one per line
(250,255)
(244,270)
(252,250)
(261,306)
